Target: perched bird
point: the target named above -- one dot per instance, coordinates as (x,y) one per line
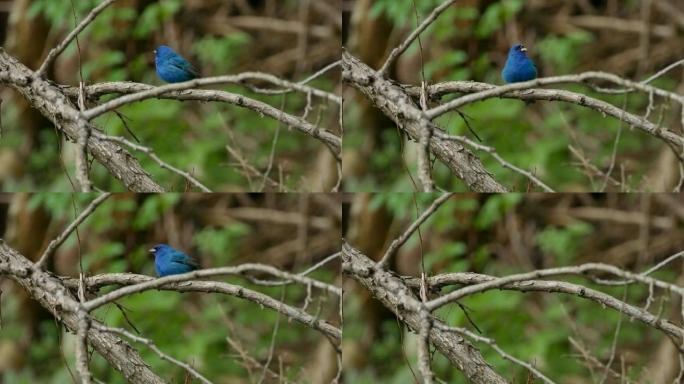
(170,261)
(518,66)
(172,67)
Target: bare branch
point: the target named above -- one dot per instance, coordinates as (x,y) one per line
(102,280)
(181,91)
(143,283)
(580,78)
(492,151)
(603,299)
(55,106)
(492,343)
(129,87)
(573,270)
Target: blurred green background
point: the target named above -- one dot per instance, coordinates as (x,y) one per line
(470,41)
(220,38)
(286,231)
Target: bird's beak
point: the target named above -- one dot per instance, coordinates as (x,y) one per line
(523,49)
(150,250)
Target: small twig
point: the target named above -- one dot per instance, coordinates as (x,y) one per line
(251,169)
(396,243)
(52,246)
(271,155)
(416,32)
(54,52)
(271,348)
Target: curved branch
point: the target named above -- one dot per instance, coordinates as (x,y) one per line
(183,283)
(239,79)
(181,91)
(468,278)
(573,270)
(475,88)
(581,78)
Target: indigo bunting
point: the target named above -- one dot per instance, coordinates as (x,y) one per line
(170,261)
(172,67)
(518,66)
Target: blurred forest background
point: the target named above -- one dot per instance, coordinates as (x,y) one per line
(290,232)
(288,38)
(505,234)
(558,142)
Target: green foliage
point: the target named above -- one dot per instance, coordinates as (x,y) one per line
(495,208)
(220,242)
(563,243)
(496,15)
(219,53)
(154,16)
(152,209)
(560,52)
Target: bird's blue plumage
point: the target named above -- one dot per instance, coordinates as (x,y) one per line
(170,261)
(172,67)
(518,66)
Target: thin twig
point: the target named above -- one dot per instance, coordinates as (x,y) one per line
(405,44)
(54,52)
(396,243)
(52,246)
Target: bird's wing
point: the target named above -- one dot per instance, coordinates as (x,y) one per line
(182,258)
(183,64)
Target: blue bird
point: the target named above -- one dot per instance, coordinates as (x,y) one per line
(170,261)
(172,67)
(518,66)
